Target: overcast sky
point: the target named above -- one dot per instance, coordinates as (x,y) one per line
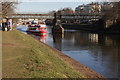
(43,7)
(56,0)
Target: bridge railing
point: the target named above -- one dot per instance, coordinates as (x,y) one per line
(43,16)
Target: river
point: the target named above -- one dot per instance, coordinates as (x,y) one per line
(97,51)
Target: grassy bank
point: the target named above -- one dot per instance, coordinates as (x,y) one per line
(25,57)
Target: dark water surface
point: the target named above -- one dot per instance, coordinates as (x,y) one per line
(96,51)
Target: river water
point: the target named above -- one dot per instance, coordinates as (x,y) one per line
(96,51)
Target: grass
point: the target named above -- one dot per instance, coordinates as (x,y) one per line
(25,57)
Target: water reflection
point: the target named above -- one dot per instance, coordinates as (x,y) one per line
(97,51)
(41,38)
(22,28)
(57,40)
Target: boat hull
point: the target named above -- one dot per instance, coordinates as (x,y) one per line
(37,32)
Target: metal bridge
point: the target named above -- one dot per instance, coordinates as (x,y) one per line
(45,16)
(69,18)
(82,15)
(73,18)
(31,16)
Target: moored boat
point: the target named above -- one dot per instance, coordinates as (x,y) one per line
(37,28)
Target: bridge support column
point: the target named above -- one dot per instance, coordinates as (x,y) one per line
(57,27)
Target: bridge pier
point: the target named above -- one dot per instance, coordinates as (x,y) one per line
(57,26)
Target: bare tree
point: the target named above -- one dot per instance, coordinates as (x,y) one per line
(7,7)
(67,10)
(114,12)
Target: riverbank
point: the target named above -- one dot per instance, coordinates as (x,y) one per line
(25,57)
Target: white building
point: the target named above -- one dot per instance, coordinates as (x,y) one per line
(83,9)
(89,8)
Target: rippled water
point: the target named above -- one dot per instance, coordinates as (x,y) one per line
(97,51)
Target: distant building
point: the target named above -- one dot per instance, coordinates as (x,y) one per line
(95,7)
(83,9)
(89,8)
(66,11)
